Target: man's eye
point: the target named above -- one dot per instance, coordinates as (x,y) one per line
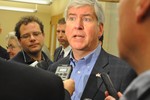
(87,19)
(25,36)
(71,18)
(36,33)
(63,31)
(58,31)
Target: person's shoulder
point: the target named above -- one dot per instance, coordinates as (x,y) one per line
(2,49)
(64,60)
(18,57)
(116,61)
(53,66)
(27,78)
(47,58)
(3,53)
(58,48)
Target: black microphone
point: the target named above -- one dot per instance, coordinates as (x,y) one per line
(109,85)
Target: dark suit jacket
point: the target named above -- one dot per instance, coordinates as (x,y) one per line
(23,58)
(57,53)
(120,73)
(20,82)
(3,53)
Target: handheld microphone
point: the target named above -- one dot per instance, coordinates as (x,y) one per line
(64,71)
(34,64)
(109,85)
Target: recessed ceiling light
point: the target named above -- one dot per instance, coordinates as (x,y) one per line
(17,9)
(34,1)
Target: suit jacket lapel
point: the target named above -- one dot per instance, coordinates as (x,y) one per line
(94,83)
(57,53)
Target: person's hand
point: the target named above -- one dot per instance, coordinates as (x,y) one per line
(69,85)
(108,97)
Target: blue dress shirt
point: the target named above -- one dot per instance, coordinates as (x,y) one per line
(82,70)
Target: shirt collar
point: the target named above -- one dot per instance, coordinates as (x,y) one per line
(87,58)
(67,49)
(28,59)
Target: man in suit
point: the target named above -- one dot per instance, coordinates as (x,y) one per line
(65,48)
(21,82)
(84,26)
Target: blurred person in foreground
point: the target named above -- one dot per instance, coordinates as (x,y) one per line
(134,46)
(84,26)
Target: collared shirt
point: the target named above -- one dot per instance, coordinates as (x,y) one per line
(66,51)
(138,88)
(82,70)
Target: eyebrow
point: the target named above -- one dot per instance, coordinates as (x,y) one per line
(71,14)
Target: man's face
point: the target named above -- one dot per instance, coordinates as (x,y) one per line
(13,48)
(61,35)
(31,37)
(82,29)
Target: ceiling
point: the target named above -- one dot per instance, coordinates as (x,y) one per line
(55,8)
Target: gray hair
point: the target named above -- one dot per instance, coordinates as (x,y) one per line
(11,35)
(97,7)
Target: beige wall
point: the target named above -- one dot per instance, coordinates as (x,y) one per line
(111,28)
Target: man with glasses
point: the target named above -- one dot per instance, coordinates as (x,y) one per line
(30,33)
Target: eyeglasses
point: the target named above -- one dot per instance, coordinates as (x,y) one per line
(28,36)
(10,47)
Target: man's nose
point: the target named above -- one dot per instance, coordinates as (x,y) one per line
(32,36)
(79,24)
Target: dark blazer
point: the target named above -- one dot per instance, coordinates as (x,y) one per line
(23,58)
(57,53)
(120,73)
(3,53)
(20,82)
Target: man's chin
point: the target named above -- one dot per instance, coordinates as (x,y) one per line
(35,51)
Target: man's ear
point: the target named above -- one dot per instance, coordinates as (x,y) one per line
(142,9)
(101,29)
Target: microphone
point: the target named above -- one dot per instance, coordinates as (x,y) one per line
(33,64)
(109,85)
